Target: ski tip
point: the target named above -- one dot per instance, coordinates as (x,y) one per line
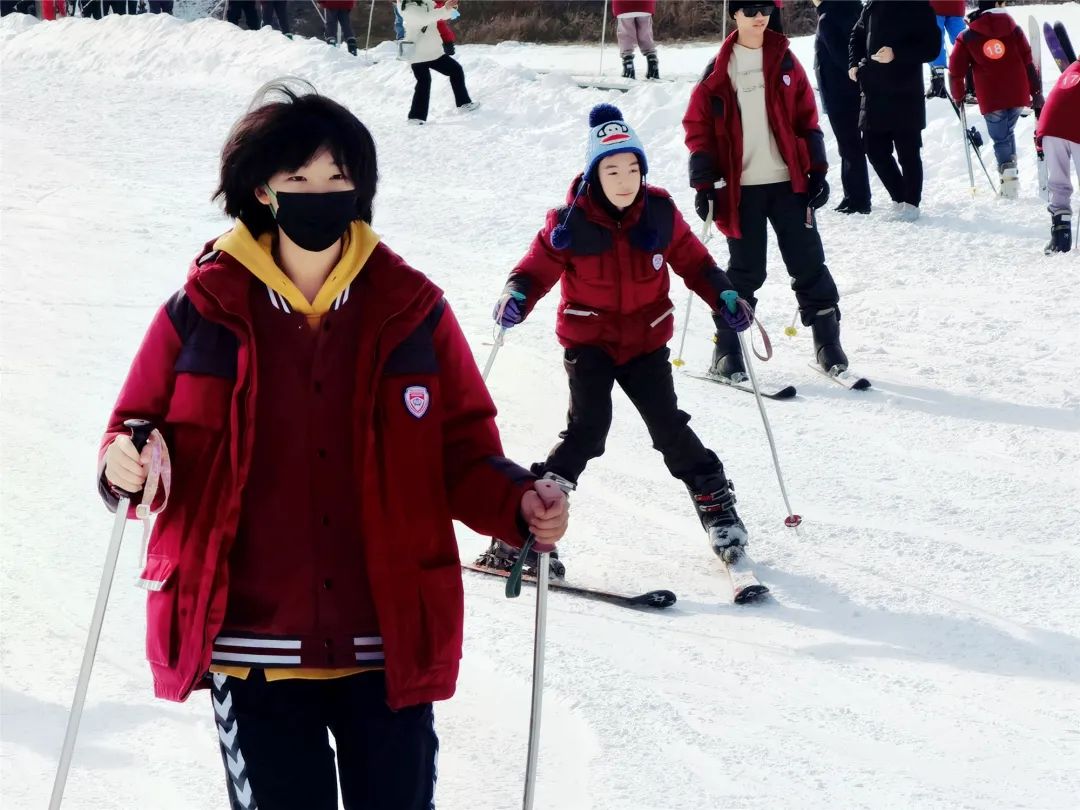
(655,599)
(785,393)
(861,384)
(751,594)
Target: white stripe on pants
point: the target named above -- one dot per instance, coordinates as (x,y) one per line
(1059,154)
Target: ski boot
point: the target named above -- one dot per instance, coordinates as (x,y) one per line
(351,44)
(826,330)
(628,66)
(715,505)
(653,70)
(937,83)
(1010,180)
(727,356)
(331,41)
(1060,233)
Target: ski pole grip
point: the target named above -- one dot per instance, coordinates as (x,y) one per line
(140,432)
(731,299)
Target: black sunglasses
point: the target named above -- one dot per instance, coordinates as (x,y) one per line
(765,9)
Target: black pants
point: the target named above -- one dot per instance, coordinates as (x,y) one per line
(280,9)
(904,182)
(648,383)
(248,9)
(854,175)
(422,95)
(99,8)
(277,755)
(160,6)
(338,18)
(800,247)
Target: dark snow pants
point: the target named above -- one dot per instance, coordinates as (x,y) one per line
(904,182)
(248,9)
(800,246)
(277,755)
(854,174)
(648,383)
(422,95)
(280,10)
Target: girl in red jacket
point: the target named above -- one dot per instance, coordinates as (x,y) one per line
(757,157)
(610,246)
(1006,81)
(326,423)
(1058,136)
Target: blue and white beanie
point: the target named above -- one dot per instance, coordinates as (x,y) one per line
(609,135)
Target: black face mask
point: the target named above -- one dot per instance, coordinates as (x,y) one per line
(314,221)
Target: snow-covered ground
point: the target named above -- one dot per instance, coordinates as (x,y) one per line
(923,646)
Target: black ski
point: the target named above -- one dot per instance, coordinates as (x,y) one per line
(848,380)
(788,392)
(745,586)
(1066,43)
(651,599)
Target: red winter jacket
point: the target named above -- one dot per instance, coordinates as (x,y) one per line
(195,377)
(614,291)
(997,50)
(338,5)
(949,8)
(714,127)
(620,7)
(1061,116)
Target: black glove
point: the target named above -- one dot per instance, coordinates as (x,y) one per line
(448,48)
(817,189)
(702,201)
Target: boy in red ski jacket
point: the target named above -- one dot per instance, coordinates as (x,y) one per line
(326,423)
(1006,81)
(1058,135)
(610,246)
(757,157)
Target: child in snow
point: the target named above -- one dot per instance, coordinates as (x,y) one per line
(425,54)
(635,29)
(889,45)
(326,422)
(950,20)
(339,14)
(1006,81)
(757,156)
(1058,136)
(610,246)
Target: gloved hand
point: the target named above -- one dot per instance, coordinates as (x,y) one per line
(817,189)
(737,321)
(509,309)
(718,197)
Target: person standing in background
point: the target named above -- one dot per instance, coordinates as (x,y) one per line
(635,29)
(889,46)
(280,10)
(247,8)
(423,49)
(339,14)
(950,20)
(840,99)
(1058,136)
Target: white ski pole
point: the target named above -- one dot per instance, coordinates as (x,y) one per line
(725,21)
(539,638)
(706,235)
(499,336)
(967,146)
(367,42)
(603,40)
(140,434)
(731,299)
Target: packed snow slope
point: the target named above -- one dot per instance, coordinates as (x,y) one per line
(923,646)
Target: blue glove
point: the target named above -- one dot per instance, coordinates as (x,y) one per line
(509,309)
(734,312)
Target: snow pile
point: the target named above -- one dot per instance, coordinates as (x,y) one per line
(923,649)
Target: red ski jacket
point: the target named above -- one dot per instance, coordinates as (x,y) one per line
(418,465)
(338,5)
(1061,116)
(997,50)
(949,8)
(714,134)
(615,284)
(620,7)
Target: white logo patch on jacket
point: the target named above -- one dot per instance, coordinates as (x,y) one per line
(657,261)
(417,400)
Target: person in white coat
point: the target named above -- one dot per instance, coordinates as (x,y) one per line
(423,49)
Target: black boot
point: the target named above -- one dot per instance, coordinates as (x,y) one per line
(714,501)
(653,71)
(1060,233)
(937,83)
(331,41)
(727,359)
(628,66)
(826,329)
(351,43)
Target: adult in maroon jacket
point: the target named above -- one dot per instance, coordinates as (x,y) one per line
(1058,135)
(610,247)
(757,158)
(326,423)
(997,51)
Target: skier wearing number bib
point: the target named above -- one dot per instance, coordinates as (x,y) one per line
(757,157)
(326,423)
(610,246)
(1058,135)
(999,55)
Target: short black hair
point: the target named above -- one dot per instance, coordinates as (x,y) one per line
(283,134)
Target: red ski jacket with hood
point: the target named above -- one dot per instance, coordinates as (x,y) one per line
(714,133)
(998,52)
(195,378)
(1061,116)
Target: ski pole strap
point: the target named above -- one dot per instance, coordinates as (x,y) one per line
(513,582)
(159,475)
(733,302)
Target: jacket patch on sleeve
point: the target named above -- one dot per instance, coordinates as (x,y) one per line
(417,400)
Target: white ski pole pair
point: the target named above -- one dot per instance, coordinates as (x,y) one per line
(140,434)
